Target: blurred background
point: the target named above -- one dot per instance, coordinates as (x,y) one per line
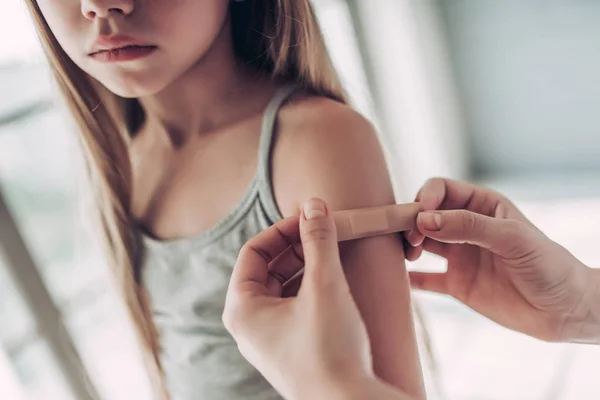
(504,93)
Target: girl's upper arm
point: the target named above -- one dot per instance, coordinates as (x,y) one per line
(326,150)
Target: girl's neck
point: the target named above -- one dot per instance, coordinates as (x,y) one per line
(214,92)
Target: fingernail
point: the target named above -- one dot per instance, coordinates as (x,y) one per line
(431,221)
(410,238)
(314,209)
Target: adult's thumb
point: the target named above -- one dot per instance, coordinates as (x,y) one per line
(500,236)
(319,242)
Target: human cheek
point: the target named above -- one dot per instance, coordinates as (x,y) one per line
(68,26)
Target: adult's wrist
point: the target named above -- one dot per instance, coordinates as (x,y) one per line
(595,306)
(585,321)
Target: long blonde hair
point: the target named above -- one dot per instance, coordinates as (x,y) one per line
(281,38)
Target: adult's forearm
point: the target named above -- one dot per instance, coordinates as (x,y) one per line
(583,324)
(595,307)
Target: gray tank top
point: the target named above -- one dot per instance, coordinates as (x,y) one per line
(187,282)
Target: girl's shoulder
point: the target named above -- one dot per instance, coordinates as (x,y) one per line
(308,123)
(326,149)
(307,112)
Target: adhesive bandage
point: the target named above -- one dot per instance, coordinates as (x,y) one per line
(375,221)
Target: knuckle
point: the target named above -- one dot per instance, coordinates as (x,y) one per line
(322,285)
(317,233)
(245,250)
(502,198)
(499,197)
(469,222)
(243,351)
(231,318)
(518,240)
(228,320)
(513,227)
(517,231)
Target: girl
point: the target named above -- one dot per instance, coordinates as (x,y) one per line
(203,122)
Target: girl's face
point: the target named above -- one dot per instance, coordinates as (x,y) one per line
(135,47)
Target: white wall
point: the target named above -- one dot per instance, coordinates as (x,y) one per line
(413,90)
(529,73)
(16,23)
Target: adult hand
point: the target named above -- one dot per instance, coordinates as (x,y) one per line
(502,266)
(314,345)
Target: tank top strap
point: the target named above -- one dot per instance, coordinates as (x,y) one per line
(269,126)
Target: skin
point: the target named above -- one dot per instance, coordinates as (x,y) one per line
(498,263)
(327,150)
(204,110)
(335,356)
(76,24)
(502,266)
(199,101)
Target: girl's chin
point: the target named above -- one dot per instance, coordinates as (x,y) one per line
(130,90)
(133,84)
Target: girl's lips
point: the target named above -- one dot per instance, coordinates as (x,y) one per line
(123,53)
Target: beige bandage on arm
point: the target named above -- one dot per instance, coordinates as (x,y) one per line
(374,221)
